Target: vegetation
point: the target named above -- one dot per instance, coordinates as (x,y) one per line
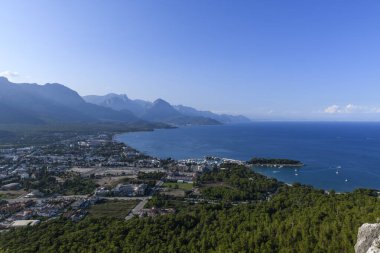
(271,161)
(291,219)
(69,184)
(236,183)
(112,209)
(182,186)
(150,176)
(10,195)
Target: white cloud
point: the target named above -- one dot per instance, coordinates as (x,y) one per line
(332,109)
(9,74)
(350,108)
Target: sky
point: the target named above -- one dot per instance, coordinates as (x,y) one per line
(269,60)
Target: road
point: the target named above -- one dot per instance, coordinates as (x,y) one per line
(126,198)
(140,206)
(137,209)
(23,199)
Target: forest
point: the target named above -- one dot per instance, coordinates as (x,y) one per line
(294,218)
(274,161)
(236,183)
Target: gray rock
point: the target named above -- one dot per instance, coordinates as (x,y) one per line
(368,239)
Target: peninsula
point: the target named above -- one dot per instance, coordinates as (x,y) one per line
(274,162)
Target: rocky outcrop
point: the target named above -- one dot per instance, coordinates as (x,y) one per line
(368,239)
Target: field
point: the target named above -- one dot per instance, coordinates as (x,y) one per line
(113,208)
(11,194)
(182,186)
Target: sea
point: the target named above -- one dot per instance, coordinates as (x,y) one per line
(337,156)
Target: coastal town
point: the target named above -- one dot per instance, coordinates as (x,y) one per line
(86,175)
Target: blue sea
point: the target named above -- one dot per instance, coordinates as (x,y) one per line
(339,156)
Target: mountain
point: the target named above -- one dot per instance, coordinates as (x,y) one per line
(53,102)
(32,103)
(120,103)
(224,118)
(162,111)
(13,116)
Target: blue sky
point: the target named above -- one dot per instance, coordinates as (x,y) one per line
(280,60)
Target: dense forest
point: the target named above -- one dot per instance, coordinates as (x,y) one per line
(274,161)
(236,183)
(294,218)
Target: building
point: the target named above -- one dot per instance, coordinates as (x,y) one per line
(24,175)
(102,191)
(34,194)
(24,223)
(181,177)
(130,189)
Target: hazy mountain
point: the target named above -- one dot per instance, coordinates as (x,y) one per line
(224,118)
(32,103)
(12,115)
(52,102)
(162,111)
(120,103)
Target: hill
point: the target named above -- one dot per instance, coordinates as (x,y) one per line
(32,103)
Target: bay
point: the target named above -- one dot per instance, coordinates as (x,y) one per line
(339,156)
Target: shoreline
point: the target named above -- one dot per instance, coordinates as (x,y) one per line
(338,184)
(279,166)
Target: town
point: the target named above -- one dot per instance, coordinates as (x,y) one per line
(91,175)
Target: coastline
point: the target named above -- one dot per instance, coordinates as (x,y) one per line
(278,165)
(320,161)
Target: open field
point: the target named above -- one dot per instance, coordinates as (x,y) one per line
(182,186)
(11,194)
(112,181)
(173,192)
(113,208)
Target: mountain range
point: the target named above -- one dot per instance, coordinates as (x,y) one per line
(161,110)
(32,103)
(40,104)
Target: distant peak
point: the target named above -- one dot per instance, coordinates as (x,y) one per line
(3,79)
(114,95)
(160,101)
(124,96)
(55,85)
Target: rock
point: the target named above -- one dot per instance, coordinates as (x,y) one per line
(375,247)
(368,239)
